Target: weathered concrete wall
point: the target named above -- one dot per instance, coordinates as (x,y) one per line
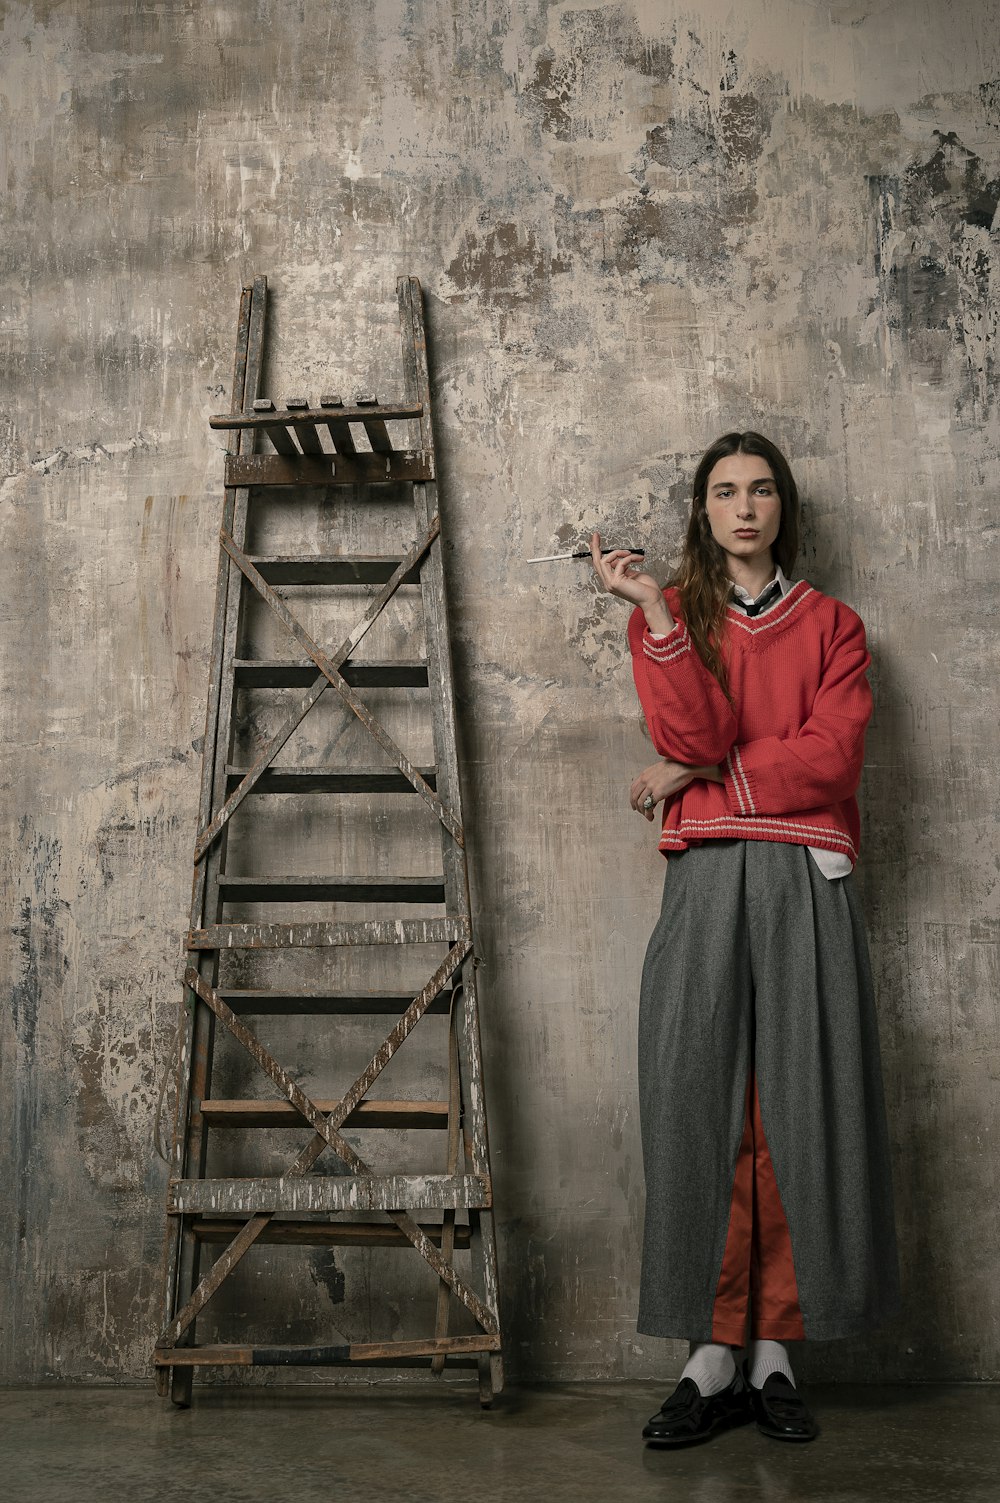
(637,224)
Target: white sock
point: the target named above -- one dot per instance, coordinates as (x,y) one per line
(767,1357)
(711,1366)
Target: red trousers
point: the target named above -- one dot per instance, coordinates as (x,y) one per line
(756,1294)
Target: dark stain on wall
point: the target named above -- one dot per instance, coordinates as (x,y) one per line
(596,48)
(42,967)
(936,261)
(504,264)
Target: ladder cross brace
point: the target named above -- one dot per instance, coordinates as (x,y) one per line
(330,671)
(326,1136)
(343,652)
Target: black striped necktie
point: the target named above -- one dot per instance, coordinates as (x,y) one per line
(764,599)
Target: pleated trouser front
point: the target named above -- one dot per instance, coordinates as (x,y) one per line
(761,1101)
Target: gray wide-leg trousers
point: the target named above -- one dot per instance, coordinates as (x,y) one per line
(758,970)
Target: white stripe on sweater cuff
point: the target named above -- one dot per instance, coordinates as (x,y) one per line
(660,648)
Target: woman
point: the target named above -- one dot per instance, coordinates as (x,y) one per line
(768,1187)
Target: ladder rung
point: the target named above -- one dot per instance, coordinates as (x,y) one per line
(332,569)
(305,432)
(307,889)
(378,435)
(331,1192)
(332,779)
(402,465)
(399,1114)
(367,1354)
(322,934)
(276,432)
(302,1233)
(340,429)
(266,413)
(266,673)
(291,1004)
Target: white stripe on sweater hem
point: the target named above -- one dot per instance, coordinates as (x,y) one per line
(747,827)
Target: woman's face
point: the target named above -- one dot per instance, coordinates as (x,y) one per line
(743,506)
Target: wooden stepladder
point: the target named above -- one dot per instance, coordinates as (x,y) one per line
(277,953)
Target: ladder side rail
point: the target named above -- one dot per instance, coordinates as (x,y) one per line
(443,1312)
(441,679)
(242,400)
(211,865)
(208,880)
(476,1141)
(214,862)
(205,894)
(481,1222)
(178,1166)
(432,588)
(482,1241)
(442,689)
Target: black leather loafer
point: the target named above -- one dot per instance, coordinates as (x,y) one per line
(688,1417)
(780,1410)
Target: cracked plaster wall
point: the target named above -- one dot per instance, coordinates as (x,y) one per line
(637,225)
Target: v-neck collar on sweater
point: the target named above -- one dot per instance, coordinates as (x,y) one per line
(784,606)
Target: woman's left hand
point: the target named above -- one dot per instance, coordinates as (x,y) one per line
(658,782)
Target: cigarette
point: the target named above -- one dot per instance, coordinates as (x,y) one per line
(549,558)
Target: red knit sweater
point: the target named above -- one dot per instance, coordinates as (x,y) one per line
(791,745)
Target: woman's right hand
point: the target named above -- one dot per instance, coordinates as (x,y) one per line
(659,782)
(615,575)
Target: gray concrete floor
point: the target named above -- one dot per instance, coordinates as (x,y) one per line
(418,1443)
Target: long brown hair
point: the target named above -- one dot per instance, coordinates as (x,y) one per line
(701,579)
